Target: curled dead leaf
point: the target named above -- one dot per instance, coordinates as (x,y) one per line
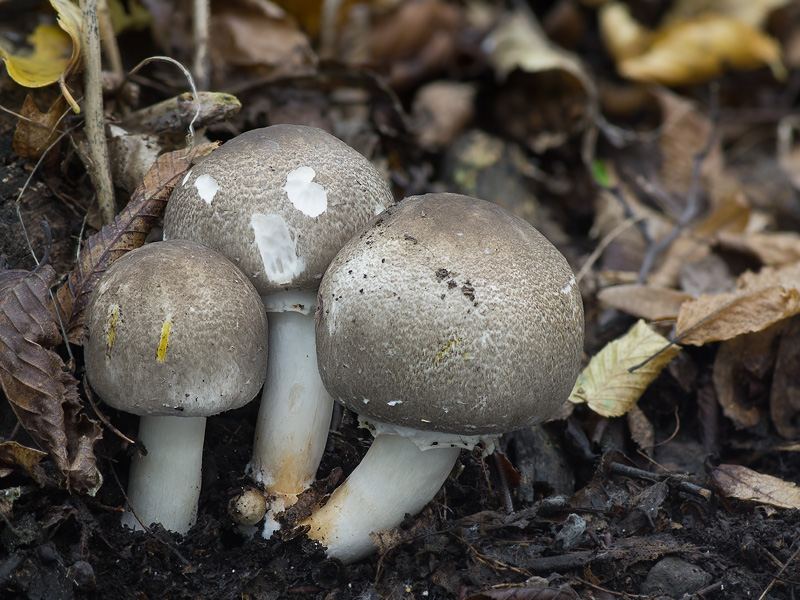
(41,391)
(127,232)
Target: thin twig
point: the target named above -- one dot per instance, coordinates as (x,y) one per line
(99,168)
(108,39)
(101,416)
(777,577)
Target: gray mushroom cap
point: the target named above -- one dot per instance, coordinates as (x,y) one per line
(450,314)
(279,202)
(173,328)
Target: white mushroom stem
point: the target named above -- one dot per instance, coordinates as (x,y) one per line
(393,479)
(295,412)
(164,485)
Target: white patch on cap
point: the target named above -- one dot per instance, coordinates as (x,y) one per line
(277,248)
(379,208)
(394,402)
(207,187)
(308,197)
(566,289)
(186,177)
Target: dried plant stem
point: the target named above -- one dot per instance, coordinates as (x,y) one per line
(200,25)
(99,169)
(108,39)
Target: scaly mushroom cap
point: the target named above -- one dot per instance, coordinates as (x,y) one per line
(173,328)
(450,314)
(279,202)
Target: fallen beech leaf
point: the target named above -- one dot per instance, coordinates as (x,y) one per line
(41,391)
(37,131)
(646,302)
(736,481)
(761,299)
(608,386)
(126,233)
(56,52)
(696,50)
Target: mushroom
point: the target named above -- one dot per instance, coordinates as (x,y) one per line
(446,322)
(174,333)
(280,202)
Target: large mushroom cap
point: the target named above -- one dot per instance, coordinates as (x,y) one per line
(450,314)
(174,328)
(279,202)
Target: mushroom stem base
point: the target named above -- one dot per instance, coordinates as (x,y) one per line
(295,412)
(164,485)
(394,478)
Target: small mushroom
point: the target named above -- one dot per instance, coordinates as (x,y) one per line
(446,322)
(280,202)
(174,333)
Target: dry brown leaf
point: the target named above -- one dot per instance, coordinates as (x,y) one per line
(736,481)
(696,50)
(127,232)
(642,430)
(36,131)
(784,400)
(441,111)
(248,36)
(774,248)
(761,299)
(741,367)
(644,301)
(39,388)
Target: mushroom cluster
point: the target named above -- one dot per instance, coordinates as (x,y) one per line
(443,321)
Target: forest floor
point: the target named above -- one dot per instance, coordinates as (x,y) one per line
(668,180)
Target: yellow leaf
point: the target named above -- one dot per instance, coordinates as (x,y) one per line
(55,52)
(699,49)
(608,386)
(51,50)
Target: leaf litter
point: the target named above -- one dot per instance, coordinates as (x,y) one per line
(586,505)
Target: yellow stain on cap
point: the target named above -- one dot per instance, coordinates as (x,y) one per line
(111,322)
(162,344)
